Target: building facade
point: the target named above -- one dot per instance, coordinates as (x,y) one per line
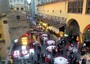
(4,6)
(5,41)
(72,14)
(18,5)
(34,4)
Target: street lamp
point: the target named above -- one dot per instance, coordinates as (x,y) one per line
(16,40)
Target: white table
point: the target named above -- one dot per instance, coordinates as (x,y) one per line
(44,35)
(50,48)
(74,49)
(16,54)
(31,51)
(50,42)
(60,60)
(44,39)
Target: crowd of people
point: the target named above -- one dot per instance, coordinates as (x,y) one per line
(64,47)
(60,44)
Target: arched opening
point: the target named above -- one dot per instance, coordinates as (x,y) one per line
(17,8)
(86,35)
(73,31)
(72,27)
(22,9)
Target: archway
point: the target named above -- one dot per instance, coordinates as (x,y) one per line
(73,30)
(86,35)
(72,27)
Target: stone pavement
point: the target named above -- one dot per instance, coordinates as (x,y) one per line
(87,57)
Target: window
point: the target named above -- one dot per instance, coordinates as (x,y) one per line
(14,0)
(21,0)
(37,9)
(38,0)
(21,9)
(18,0)
(17,8)
(18,17)
(0,35)
(60,11)
(88,7)
(52,10)
(11,1)
(75,6)
(47,10)
(5,21)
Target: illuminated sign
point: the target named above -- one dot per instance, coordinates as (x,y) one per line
(24,40)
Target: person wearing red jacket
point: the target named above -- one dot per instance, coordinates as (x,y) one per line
(47,60)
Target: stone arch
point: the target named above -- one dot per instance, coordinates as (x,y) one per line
(72,27)
(86,35)
(86,28)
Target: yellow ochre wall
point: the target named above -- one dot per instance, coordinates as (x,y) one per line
(2,44)
(4,30)
(82,19)
(1,30)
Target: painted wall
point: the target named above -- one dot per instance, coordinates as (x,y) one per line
(17,4)
(1,30)
(4,30)
(82,19)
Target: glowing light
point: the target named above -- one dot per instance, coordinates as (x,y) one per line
(66,35)
(16,40)
(23,47)
(31,51)
(24,40)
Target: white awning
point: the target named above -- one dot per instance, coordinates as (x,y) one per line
(54,29)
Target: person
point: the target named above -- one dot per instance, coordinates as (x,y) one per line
(83,61)
(53,52)
(47,60)
(71,58)
(32,57)
(38,56)
(35,62)
(9,62)
(77,62)
(59,40)
(74,60)
(52,61)
(44,56)
(39,48)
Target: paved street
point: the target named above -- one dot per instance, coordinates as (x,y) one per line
(43,48)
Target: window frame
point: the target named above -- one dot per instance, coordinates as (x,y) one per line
(88,7)
(75,6)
